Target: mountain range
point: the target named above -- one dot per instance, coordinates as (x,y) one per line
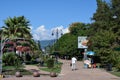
(45,43)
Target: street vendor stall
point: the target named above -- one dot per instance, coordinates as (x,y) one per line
(90,55)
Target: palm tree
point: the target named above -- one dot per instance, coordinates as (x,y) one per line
(15,28)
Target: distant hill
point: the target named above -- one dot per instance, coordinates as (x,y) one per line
(45,43)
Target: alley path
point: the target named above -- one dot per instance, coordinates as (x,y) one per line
(68,74)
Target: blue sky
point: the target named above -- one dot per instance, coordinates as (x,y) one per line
(47,15)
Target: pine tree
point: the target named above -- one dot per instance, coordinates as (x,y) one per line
(103,39)
(102,16)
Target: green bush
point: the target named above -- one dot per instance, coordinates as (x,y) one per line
(11,59)
(50,63)
(118,64)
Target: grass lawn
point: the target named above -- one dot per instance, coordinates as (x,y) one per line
(11,70)
(116,73)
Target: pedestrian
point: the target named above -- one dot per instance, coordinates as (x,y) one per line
(73,63)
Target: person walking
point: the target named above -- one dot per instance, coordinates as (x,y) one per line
(73,63)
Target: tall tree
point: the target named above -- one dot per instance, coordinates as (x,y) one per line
(68,43)
(115,9)
(104,37)
(16,27)
(102,16)
(78,29)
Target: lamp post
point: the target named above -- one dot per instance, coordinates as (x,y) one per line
(56,32)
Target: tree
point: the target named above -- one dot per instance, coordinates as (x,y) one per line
(35,48)
(39,46)
(68,43)
(115,9)
(15,28)
(105,29)
(102,17)
(78,29)
(103,45)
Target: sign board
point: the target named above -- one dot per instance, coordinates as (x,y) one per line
(82,42)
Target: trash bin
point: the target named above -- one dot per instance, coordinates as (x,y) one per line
(109,67)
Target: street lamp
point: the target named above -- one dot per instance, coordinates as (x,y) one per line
(57,32)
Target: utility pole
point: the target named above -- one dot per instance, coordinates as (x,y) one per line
(57,32)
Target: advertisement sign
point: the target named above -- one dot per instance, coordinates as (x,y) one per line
(82,42)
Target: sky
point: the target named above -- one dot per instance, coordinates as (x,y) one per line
(46,16)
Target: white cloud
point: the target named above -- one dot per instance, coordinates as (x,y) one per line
(65,30)
(42,33)
(41,28)
(30,27)
(35,36)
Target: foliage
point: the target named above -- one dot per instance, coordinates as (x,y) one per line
(11,70)
(116,59)
(28,57)
(16,27)
(69,41)
(50,63)
(39,46)
(78,29)
(105,32)
(56,68)
(116,73)
(35,47)
(67,46)
(11,59)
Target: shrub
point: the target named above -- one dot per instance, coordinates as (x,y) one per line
(50,63)
(11,59)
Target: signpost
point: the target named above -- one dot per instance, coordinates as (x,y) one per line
(82,44)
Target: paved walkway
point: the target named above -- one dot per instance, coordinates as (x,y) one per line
(68,74)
